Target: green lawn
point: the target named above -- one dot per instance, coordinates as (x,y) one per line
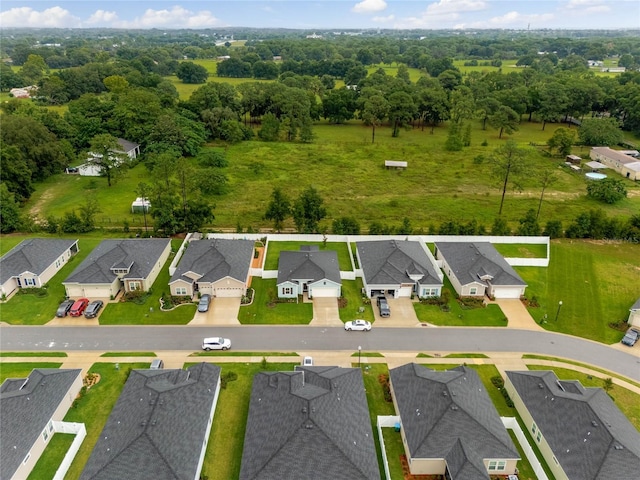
(29,309)
(626,400)
(521,250)
(33,354)
(94,408)
(52,456)
(129,354)
(22,370)
(596,282)
(352,292)
(274,249)
(149,313)
(224,451)
(262,312)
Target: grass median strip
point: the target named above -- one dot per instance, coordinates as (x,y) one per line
(22,370)
(128,354)
(33,354)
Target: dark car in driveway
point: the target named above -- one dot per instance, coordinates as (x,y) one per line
(385,311)
(631,337)
(203,304)
(93,308)
(63,308)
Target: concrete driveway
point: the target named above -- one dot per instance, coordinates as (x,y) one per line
(402,314)
(222,311)
(325,313)
(517,314)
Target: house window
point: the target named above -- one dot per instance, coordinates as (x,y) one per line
(430,292)
(45,435)
(539,436)
(181,290)
(534,428)
(287,290)
(555,460)
(134,286)
(50,426)
(497,465)
(473,291)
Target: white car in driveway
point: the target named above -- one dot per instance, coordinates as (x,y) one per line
(216,343)
(362,325)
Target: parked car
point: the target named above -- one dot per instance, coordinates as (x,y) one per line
(216,343)
(385,311)
(64,307)
(307,362)
(362,325)
(203,304)
(631,337)
(93,308)
(156,364)
(79,307)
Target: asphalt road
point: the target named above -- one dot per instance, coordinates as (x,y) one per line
(302,338)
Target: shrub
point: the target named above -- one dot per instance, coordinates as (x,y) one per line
(383,378)
(469,303)
(227,377)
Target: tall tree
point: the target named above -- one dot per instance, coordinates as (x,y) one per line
(143,192)
(508,163)
(506,119)
(402,109)
(546,177)
(279,209)
(562,141)
(308,210)
(108,156)
(9,211)
(373,111)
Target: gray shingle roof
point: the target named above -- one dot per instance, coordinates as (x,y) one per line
(386,262)
(33,255)
(448,414)
(470,260)
(26,412)
(309,424)
(126,145)
(636,306)
(157,428)
(588,434)
(141,254)
(308,265)
(215,259)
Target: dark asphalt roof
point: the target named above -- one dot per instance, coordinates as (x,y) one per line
(448,414)
(140,254)
(471,260)
(126,145)
(636,306)
(588,434)
(309,424)
(26,412)
(308,265)
(215,259)
(33,255)
(157,428)
(386,262)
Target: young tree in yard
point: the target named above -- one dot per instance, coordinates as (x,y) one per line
(506,119)
(279,209)
(106,149)
(308,210)
(529,224)
(508,164)
(607,384)
(562,141)
(546,177)
(607,190)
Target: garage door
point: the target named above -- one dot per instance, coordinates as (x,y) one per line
(507,292)
(228,292)
(325,292)
(405,291)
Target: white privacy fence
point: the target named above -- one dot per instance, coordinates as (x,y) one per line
(77,429)
(386,421)
(512,424)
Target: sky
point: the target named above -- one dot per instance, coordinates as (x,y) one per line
(322,14)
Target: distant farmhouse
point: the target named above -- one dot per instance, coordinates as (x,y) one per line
(624,164)
(91,168)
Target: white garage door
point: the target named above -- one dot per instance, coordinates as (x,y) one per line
(507,292)
(405,291)
(228,292)
(325,292)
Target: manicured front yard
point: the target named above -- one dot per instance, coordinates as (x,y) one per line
(22,370)
(263,312)
(274,249)
(94,408)
(224,451)
(596,281)
(352,292)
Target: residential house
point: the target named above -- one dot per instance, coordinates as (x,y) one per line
(219,267)
(310,423)
(92,168)
(476,269)
(159,427)
(580,432)
(29,407)
(625,165)
(398,268)
(114,265)
(634,314)
(33,262)
(309,270)
(449,426)
(23,92)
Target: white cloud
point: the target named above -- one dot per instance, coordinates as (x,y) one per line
(447,7)
(176,17)
(387,19)
(368,6)
(516,20)
(583,3)
(55,17)
(598,9)
(102,17)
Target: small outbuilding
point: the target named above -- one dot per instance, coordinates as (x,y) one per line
(140,204)
(574,159)
(397,164)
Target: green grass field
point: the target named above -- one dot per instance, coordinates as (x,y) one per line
(22,370)
(352,292)
(596,282)
(52,457)
(262,312)
(274,249)
(521,250)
